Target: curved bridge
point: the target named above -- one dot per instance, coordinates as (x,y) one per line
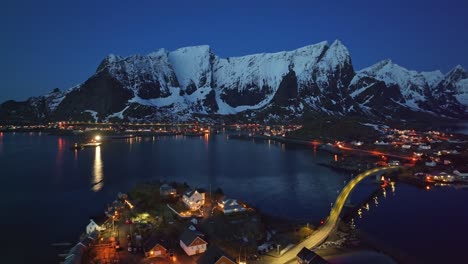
(321,234)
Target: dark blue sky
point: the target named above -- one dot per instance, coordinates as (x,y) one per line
(47,44)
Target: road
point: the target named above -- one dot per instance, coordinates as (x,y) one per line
(321,234)
(375,153)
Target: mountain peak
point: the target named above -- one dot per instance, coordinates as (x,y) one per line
(158,53)
(109,59)
(337,54)
(194,49)
(456,74)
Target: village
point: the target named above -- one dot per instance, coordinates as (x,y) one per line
(430,157)
(172,223)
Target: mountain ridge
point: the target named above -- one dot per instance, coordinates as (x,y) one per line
(190,83)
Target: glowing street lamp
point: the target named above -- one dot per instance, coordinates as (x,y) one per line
(97,138)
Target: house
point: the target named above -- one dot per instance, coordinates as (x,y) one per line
(307,256)
(430,163)
(92,227)
(215,255)
(426,147)
(443,177)
(194,199)
(381,143)
(405,146)
(192,242)
(229,206)
(155,248)
(167,190)
(462,174)
(394,163)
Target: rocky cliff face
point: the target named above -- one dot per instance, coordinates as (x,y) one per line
(179,85)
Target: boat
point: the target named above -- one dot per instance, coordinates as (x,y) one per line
(91,145)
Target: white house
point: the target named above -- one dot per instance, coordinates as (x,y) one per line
(193,199)
(381,143)
(405,146)
(461,174)
(425,147)
(357,143)
(192,242)
(92,226)
(431,163)
(230,206)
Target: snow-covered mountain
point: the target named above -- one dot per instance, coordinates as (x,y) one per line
(193,82)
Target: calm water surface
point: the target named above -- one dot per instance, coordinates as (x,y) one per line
(49,192)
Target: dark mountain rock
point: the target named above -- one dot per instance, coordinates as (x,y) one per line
(287,89)
(101,93)
(251,94)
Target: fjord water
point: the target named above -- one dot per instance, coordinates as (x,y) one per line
(49,192)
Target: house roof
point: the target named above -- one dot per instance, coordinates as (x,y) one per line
(188,236)
(78,249)
(72,259)
(154,241)
(94,234)
(212,255)
(88,241)
(310,257)
(189,193)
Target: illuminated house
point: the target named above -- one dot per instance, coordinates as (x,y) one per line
(92,227)
(443,177)
(155,248)
(194,199)
(192,243)
(229,206)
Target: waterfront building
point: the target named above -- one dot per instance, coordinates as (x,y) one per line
(462,174)
(229,206)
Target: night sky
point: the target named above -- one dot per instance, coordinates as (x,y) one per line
(48,44)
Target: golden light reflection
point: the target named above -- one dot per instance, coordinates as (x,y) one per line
(97,171)
(59,158)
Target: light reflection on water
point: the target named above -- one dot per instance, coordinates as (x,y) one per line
(1,142)
(98,181)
